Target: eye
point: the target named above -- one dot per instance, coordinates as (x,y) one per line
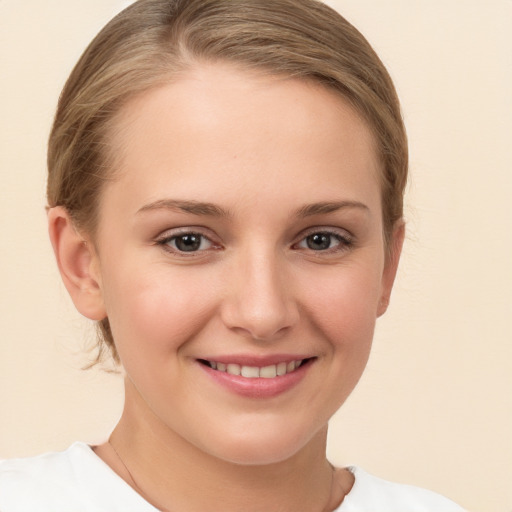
(326,241)
(187,242)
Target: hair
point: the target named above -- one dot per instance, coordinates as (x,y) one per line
(152,41)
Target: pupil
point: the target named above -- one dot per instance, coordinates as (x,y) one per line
(188,242)
(319,241)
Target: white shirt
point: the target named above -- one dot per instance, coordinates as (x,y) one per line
(77,480)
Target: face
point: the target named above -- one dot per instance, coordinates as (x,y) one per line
(240,258)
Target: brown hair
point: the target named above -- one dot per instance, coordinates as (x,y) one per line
(152,40)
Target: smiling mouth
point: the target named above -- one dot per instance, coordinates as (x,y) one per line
(255,372)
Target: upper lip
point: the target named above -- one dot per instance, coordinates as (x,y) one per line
(255,360)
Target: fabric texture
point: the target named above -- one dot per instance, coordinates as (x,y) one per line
(78,480)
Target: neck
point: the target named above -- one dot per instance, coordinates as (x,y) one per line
(173,474)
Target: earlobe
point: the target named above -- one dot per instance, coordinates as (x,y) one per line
(78,264)
(391,266)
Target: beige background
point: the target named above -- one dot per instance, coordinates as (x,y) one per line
(435,406)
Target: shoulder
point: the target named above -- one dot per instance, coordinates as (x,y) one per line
(372,493)
(75,479)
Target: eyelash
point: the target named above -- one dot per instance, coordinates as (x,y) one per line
(344,242)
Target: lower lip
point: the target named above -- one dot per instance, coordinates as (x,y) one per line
(258,387)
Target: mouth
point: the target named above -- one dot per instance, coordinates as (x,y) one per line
(257,372)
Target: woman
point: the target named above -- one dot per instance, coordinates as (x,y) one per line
(225,200)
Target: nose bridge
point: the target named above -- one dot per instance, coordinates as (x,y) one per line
(260,302)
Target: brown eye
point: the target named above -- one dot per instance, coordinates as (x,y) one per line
(187,242)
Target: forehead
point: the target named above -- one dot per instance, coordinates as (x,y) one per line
(218,127)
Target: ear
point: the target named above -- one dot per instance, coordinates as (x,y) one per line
(391,265)
(78,264)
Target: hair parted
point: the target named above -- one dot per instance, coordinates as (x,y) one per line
(152,41)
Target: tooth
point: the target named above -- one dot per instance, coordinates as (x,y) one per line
(221,367)
(268,372)
(213,364)
(281,369)
(290,367)
(233,369)
(250,371)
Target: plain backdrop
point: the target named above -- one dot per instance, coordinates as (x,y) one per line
(435,405)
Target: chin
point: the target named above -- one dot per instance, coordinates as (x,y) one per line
(262,446)
(257,454)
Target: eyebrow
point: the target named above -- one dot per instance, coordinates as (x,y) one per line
(212,210)
(194,207)
(309,210)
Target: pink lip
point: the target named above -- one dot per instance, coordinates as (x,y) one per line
(257,387)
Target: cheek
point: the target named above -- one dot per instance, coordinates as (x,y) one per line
(343,304)
(156,312)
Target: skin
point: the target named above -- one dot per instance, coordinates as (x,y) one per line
(260,151)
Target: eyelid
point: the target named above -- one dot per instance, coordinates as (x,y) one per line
(331,230)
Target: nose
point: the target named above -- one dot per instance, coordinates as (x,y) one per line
(260,302)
